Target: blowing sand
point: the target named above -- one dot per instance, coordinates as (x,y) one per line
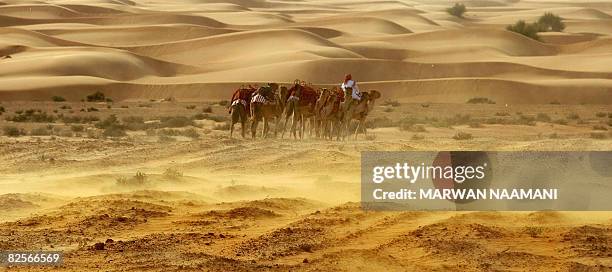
(220,204)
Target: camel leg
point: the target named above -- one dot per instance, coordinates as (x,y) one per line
(276,124)
(265,130)
(254,127)
(288,112)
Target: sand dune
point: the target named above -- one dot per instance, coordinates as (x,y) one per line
(319,41)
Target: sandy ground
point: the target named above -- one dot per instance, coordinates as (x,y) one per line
(220,204)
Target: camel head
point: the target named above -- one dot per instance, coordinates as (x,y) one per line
(374,94)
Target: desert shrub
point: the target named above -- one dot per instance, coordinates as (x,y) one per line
(601,114)
(91,109)
(212,117)
(417,137)
(543,117)
(502,114)
(139,179)
(392,103)
(175,122)
(56,98)
(145,105)
(379,122)
(77,128)
(165,139)
(222,126)
(134,123)
(32,115)
(457,10)
(480,100)
(12,131)
(560,122)
(79,119)
(534,231)
(114,131)
(207,109)
(370,137)
(573,116)
(462,136)
(598,135)
(224,103)
(550,22)
(415,128)
(191,133)
(40,131)
(553,136)
(172,173)
(525,29)
(475,124)
(526,120)
(388,109)
(2,109)
(190,107)
(108,122)
(65,107)
(555,102)
(600,127)
(66,133)
(96,97)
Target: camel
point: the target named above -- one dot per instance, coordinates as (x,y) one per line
(268,111)
(321,101)
(358,112)
(300,104)
(330,114)
(239,109)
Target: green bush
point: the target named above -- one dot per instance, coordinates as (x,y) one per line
(550,22)
(525,29)
(457,10)
(480,100)
(96,97)
(56,98)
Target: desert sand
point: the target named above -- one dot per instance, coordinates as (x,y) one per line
(161,199)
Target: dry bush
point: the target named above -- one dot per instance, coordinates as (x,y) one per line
(392,103)
(370,136)
(573,116)
(502,114)
(480,100)
(139,179)
(417,137)
(165,139)
(13,131)
(32,115)
(77,128)
(533,231)
(172,173)
(190,107)
(175,122)
(601,114)
(600,127)
(543,117)
(96,97)
(462,136)
(222,126)
(207,109)
(553,136)
(599,135)
(388,109)
(457,10)
(40,131)
(561,122)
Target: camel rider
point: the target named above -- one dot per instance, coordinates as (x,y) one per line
(350,87)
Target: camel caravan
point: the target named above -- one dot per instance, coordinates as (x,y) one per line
(327,113)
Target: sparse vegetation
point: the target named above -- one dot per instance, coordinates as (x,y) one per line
(601,114)
(543,117)
(190,107)
(533,231)
(222,126)
(224,103)
(457,10)
(502,114)
(175,122)
(207,109)
(96,97)
(13,131)
(139,179)
(417,137)
(480,100)
(573,116)
(599,135)
(600,127)
(32,115)
(392,103)
(40,131)
(77,128)
(526,29)
(550,22)
(172,174)
(56,98)
(462,136)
